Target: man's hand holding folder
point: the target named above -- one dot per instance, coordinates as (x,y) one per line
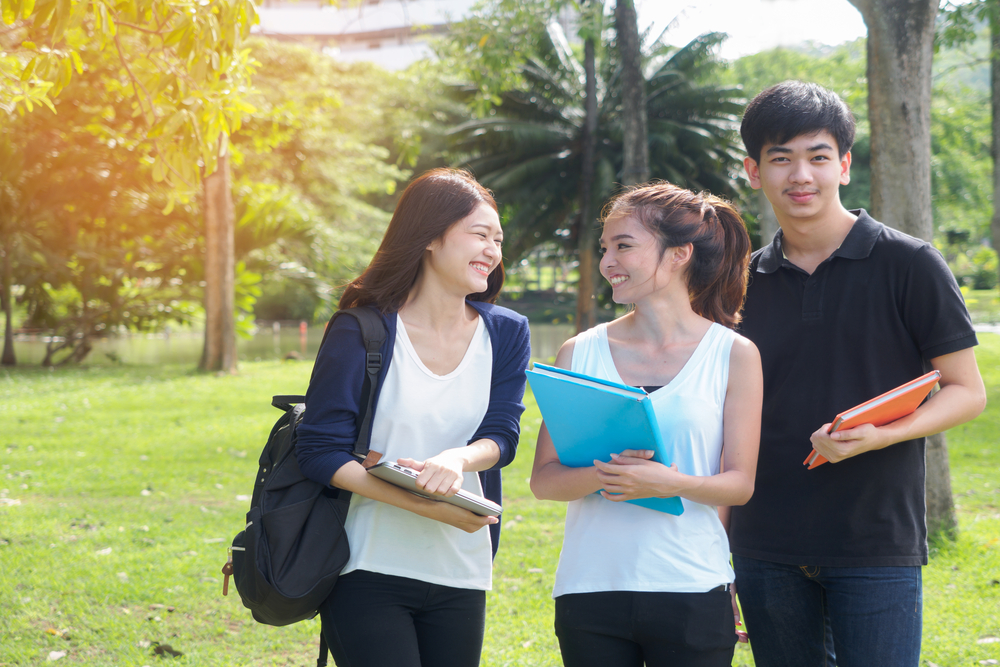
(855,431)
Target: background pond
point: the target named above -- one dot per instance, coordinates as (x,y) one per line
(267,343)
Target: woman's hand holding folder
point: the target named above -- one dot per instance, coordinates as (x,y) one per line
(632,475)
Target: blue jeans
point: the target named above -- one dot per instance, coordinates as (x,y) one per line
(811,616)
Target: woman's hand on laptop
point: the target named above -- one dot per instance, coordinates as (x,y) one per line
(439,475)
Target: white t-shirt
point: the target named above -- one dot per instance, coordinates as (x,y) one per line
(419,415)
(613,546)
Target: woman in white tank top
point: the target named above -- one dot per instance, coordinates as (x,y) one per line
(636,586)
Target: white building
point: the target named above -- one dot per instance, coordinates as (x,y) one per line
(390,33)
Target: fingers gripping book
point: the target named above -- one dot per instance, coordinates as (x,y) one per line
(590,418)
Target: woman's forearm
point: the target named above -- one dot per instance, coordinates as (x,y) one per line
(354,478)
(476,456)
(554,481)
(728,488)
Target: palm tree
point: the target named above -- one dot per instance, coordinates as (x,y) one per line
(530,150)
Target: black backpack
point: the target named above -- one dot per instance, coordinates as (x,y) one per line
(288,557)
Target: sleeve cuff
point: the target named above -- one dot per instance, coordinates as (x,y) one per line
(961,342)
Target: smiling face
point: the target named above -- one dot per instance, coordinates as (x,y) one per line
(463,258)
(801,177)
(632,261)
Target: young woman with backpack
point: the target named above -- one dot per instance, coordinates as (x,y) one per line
(448,405)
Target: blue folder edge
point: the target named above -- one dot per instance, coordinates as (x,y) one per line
(670,505)
(608,383)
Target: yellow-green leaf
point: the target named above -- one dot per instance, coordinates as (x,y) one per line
(27,7)
(158,170)
(65,73)
(170,204)
(174,36)
(9,13)
(107,23)
(223,144)
(29,69)
(63,13)
(31,46)
(44,12)
(77,62)
(45,100)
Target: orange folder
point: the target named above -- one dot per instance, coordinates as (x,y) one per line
(890,406)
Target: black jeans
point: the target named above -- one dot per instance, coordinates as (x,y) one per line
(378,620)
(631,629)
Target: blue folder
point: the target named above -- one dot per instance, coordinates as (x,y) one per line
(590,418)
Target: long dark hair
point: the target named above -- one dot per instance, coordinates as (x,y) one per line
(428,207)
(717,273)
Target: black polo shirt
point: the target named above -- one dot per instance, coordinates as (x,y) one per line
(868,319)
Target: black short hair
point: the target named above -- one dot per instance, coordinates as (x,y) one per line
(791,109)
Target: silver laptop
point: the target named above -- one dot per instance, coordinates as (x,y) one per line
(406,478)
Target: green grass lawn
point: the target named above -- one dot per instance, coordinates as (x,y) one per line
(121,488)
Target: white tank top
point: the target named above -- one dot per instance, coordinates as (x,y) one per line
(609,546)
(421,414)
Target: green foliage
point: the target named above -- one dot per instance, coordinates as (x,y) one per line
(962,23)
(147,90)
(247,290)
(319,161)
(961,119)
(974,264)
(181,62)
(529,149)
(492,44)
(85,218)
(961,45)
(961,171)
(286,300)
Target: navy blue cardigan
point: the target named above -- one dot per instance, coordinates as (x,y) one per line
(325,437)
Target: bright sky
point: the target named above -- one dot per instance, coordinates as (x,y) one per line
(754,25)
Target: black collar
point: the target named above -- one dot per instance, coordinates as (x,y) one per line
(857,244)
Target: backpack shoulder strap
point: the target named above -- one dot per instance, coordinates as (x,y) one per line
(373,334)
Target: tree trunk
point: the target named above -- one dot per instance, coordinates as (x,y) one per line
(994,21)
(900,50)
(8,358)
(586,302)
(767,223)
(219,353)
(635,162)
(941,520)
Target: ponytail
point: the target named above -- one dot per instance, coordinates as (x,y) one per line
(717,272)
(720,284)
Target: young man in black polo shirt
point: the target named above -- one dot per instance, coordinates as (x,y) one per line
(842,309)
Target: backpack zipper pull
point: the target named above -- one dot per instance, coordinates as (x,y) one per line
(227,570)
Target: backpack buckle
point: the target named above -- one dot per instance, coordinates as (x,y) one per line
(373,361)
